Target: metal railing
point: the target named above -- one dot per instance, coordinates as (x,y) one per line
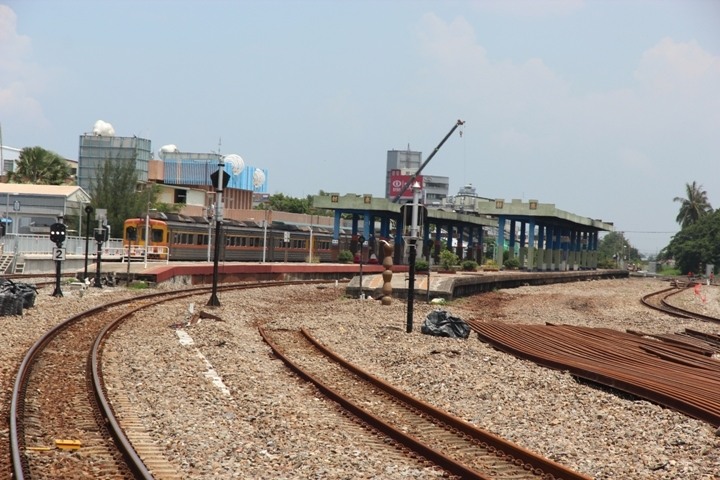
(29,244)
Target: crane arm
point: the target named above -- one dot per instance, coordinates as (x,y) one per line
(427,160)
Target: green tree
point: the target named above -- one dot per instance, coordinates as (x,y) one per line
(694,207)
(116,190)
(696,245)
(280,202)
(613,248)
(41,167)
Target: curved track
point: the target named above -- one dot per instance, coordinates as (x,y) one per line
(453,444)
(659,301)
(52,415)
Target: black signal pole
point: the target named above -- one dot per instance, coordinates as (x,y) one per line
(57,235)
(214,301)
(88,211)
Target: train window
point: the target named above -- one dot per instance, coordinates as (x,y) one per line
(202,239)
(156,235)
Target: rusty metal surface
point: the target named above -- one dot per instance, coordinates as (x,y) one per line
(667,374)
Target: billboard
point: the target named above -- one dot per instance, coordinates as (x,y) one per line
(398,181)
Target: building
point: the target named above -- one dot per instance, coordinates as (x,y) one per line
(186,171)
(96,149)
(31,209)
(401,166)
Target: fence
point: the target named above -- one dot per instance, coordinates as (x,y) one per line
(24,244)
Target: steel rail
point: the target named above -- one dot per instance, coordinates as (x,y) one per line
(663,373)
(17,405)
(538,465)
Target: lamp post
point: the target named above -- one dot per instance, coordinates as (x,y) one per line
(412,255)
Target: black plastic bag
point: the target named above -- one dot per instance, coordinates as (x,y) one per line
(440,324)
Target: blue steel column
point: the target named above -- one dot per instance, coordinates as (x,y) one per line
(550,242)
(354,224)
(385,227)
(593,258)
(481,245)
(577,249)
(436,244)
(459,249)
(500,241)
(511,240)
(336,226)
(523,255)
(558,247)
(541,248)
(399,251)
(470,255)
(531,246)
(451,234)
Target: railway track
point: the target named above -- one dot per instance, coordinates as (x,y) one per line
(660,301)
(59,403)
(451,443)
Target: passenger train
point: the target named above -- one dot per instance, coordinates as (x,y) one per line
(183,238)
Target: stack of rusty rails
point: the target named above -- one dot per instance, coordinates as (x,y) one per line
(696,345)
(666,374)
(710,338)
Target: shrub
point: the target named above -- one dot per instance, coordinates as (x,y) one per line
(512,263)
(469,265)
(345,256)
(138,285)
(448,259)
(421,265)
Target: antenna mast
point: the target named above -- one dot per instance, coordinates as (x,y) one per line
(412,179)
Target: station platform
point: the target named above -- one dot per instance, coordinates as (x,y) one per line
(369,282)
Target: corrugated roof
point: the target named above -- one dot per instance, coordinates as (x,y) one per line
(31,189)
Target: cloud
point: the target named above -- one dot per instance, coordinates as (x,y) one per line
(20,79)
(530,8)
(677,67)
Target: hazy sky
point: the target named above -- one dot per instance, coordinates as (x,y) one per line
(604,108)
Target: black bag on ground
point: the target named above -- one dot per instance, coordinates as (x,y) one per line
(440,324)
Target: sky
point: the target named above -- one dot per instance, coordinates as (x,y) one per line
(606,109)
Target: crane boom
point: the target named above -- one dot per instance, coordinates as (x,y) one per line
(427,160)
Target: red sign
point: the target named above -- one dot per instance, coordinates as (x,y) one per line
(398,181)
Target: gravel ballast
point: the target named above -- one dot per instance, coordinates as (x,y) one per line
(222,407)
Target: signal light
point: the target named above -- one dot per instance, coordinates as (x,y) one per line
(57,233)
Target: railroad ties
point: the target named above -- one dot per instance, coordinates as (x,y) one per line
(425,432)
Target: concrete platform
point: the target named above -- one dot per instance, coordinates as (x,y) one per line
(452,285)
(427,286)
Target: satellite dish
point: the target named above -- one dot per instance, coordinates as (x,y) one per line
(236,162)
(258,178)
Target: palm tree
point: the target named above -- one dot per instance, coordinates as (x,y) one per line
(695,206)
(39,166)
